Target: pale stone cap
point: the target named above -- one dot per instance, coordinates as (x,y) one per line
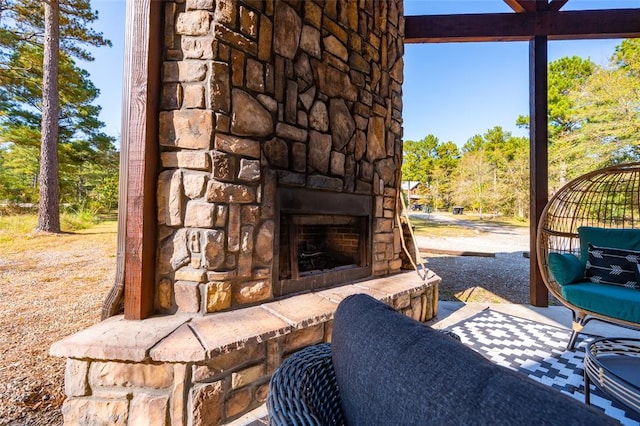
(193,337)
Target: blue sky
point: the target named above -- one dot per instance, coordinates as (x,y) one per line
(106,69)
(452,90)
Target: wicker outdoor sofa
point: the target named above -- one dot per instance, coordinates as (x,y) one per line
(383,368)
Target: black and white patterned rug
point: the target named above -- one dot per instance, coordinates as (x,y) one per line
(539,351)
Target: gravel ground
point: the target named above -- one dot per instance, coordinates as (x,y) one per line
(500,279)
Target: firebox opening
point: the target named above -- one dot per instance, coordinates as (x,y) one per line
(323,240)
(320,243)
(325,247)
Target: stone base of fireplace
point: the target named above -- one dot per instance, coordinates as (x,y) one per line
(207,370)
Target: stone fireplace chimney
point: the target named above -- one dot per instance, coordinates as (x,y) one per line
(261,99)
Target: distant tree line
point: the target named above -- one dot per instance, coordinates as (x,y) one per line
(87,160)
(594,121)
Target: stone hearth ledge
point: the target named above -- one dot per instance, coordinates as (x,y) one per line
(183,338)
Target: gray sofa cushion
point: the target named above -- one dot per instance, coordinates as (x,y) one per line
(392,370)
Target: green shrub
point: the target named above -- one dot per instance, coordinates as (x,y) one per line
(74,220)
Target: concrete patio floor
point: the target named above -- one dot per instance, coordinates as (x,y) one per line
(450,313)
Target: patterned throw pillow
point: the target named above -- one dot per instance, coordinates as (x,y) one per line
(608,265)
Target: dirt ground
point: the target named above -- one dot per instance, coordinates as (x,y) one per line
(52,286)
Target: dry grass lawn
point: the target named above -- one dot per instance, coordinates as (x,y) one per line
(50,287)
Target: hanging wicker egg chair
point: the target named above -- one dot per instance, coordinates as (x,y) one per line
(605,198)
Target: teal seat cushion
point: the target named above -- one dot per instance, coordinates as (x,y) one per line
(565,268)
(609,300)
(607,237)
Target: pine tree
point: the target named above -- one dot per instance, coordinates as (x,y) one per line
(49,201)
(606,110)
(37,37)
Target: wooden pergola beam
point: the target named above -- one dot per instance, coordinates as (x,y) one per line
(569,25)
(521,6)
(556,5)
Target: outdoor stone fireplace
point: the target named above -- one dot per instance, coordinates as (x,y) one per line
(260,98)
(280,145)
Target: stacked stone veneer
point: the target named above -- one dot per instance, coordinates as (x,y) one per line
(262,95)
(204,370)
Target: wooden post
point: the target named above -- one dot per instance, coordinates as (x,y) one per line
(139,137)
(538,172)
